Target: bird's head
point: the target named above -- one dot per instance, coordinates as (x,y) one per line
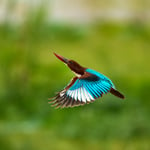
(73,65)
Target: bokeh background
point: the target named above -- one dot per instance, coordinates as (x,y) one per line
(110,36)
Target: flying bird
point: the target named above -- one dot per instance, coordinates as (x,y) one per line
(87,86)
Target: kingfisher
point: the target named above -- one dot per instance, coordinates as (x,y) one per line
(87,86)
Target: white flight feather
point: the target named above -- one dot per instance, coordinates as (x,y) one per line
(76,95)
(79,94)
(72,95)
(91,97)
(83,95)
(86,95)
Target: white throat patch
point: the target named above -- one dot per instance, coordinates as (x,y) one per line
(78,75)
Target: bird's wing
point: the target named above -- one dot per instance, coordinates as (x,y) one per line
(82,90)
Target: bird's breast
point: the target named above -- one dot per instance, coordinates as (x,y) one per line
(78,75)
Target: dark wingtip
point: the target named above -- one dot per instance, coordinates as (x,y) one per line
(117,93)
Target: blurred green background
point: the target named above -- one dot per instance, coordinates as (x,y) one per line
(30,74)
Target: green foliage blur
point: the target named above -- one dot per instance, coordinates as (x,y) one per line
(30,74)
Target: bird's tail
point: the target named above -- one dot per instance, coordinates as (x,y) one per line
(116,93)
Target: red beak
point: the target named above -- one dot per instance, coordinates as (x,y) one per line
(61,58)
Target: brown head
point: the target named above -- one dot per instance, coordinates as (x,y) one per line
(73,65)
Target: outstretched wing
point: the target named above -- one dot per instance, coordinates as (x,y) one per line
(82,90)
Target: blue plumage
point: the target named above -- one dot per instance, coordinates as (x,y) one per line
(101,76)
(102,85)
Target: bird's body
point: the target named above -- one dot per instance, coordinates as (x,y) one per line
(85,87)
